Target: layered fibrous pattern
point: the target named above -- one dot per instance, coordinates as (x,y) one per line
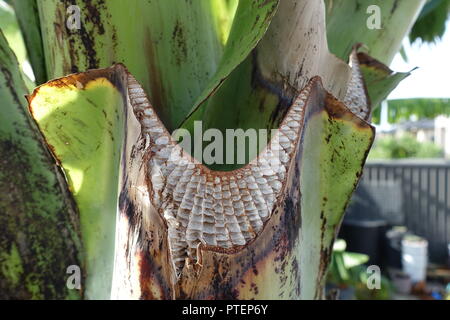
(356,98)
(223,210)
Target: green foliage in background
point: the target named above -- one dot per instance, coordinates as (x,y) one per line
(424,108)
(430,26)
(362,292)
(349,270)
(404,147)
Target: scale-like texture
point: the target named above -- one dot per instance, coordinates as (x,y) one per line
(224,210)
(356,98)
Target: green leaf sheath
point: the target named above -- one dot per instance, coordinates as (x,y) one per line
(380,81)
(335,144)
(83,120)
(223,12)
(39,229)
(170,46)
(28,18)
(11,31)
(347,25)
(10,27)
(250,23)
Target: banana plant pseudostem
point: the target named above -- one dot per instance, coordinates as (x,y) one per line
(92,177)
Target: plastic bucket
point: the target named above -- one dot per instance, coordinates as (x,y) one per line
(392,246)
(415,257)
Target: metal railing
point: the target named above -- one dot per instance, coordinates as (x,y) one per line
(414,193)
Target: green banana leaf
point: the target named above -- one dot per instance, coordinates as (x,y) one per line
(348,23)
(380,81)
(10,28)
(258,92)
(39,229)
(249,25)
(223,12)
(431,23)
(11,31)
(335,146)
(28,18)
(171,46)
(83,120)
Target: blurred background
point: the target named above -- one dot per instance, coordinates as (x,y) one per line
(399,216)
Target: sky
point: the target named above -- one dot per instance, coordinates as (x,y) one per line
(431,79)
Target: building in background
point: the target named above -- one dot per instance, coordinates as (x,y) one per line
(435,130)
(442,134)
